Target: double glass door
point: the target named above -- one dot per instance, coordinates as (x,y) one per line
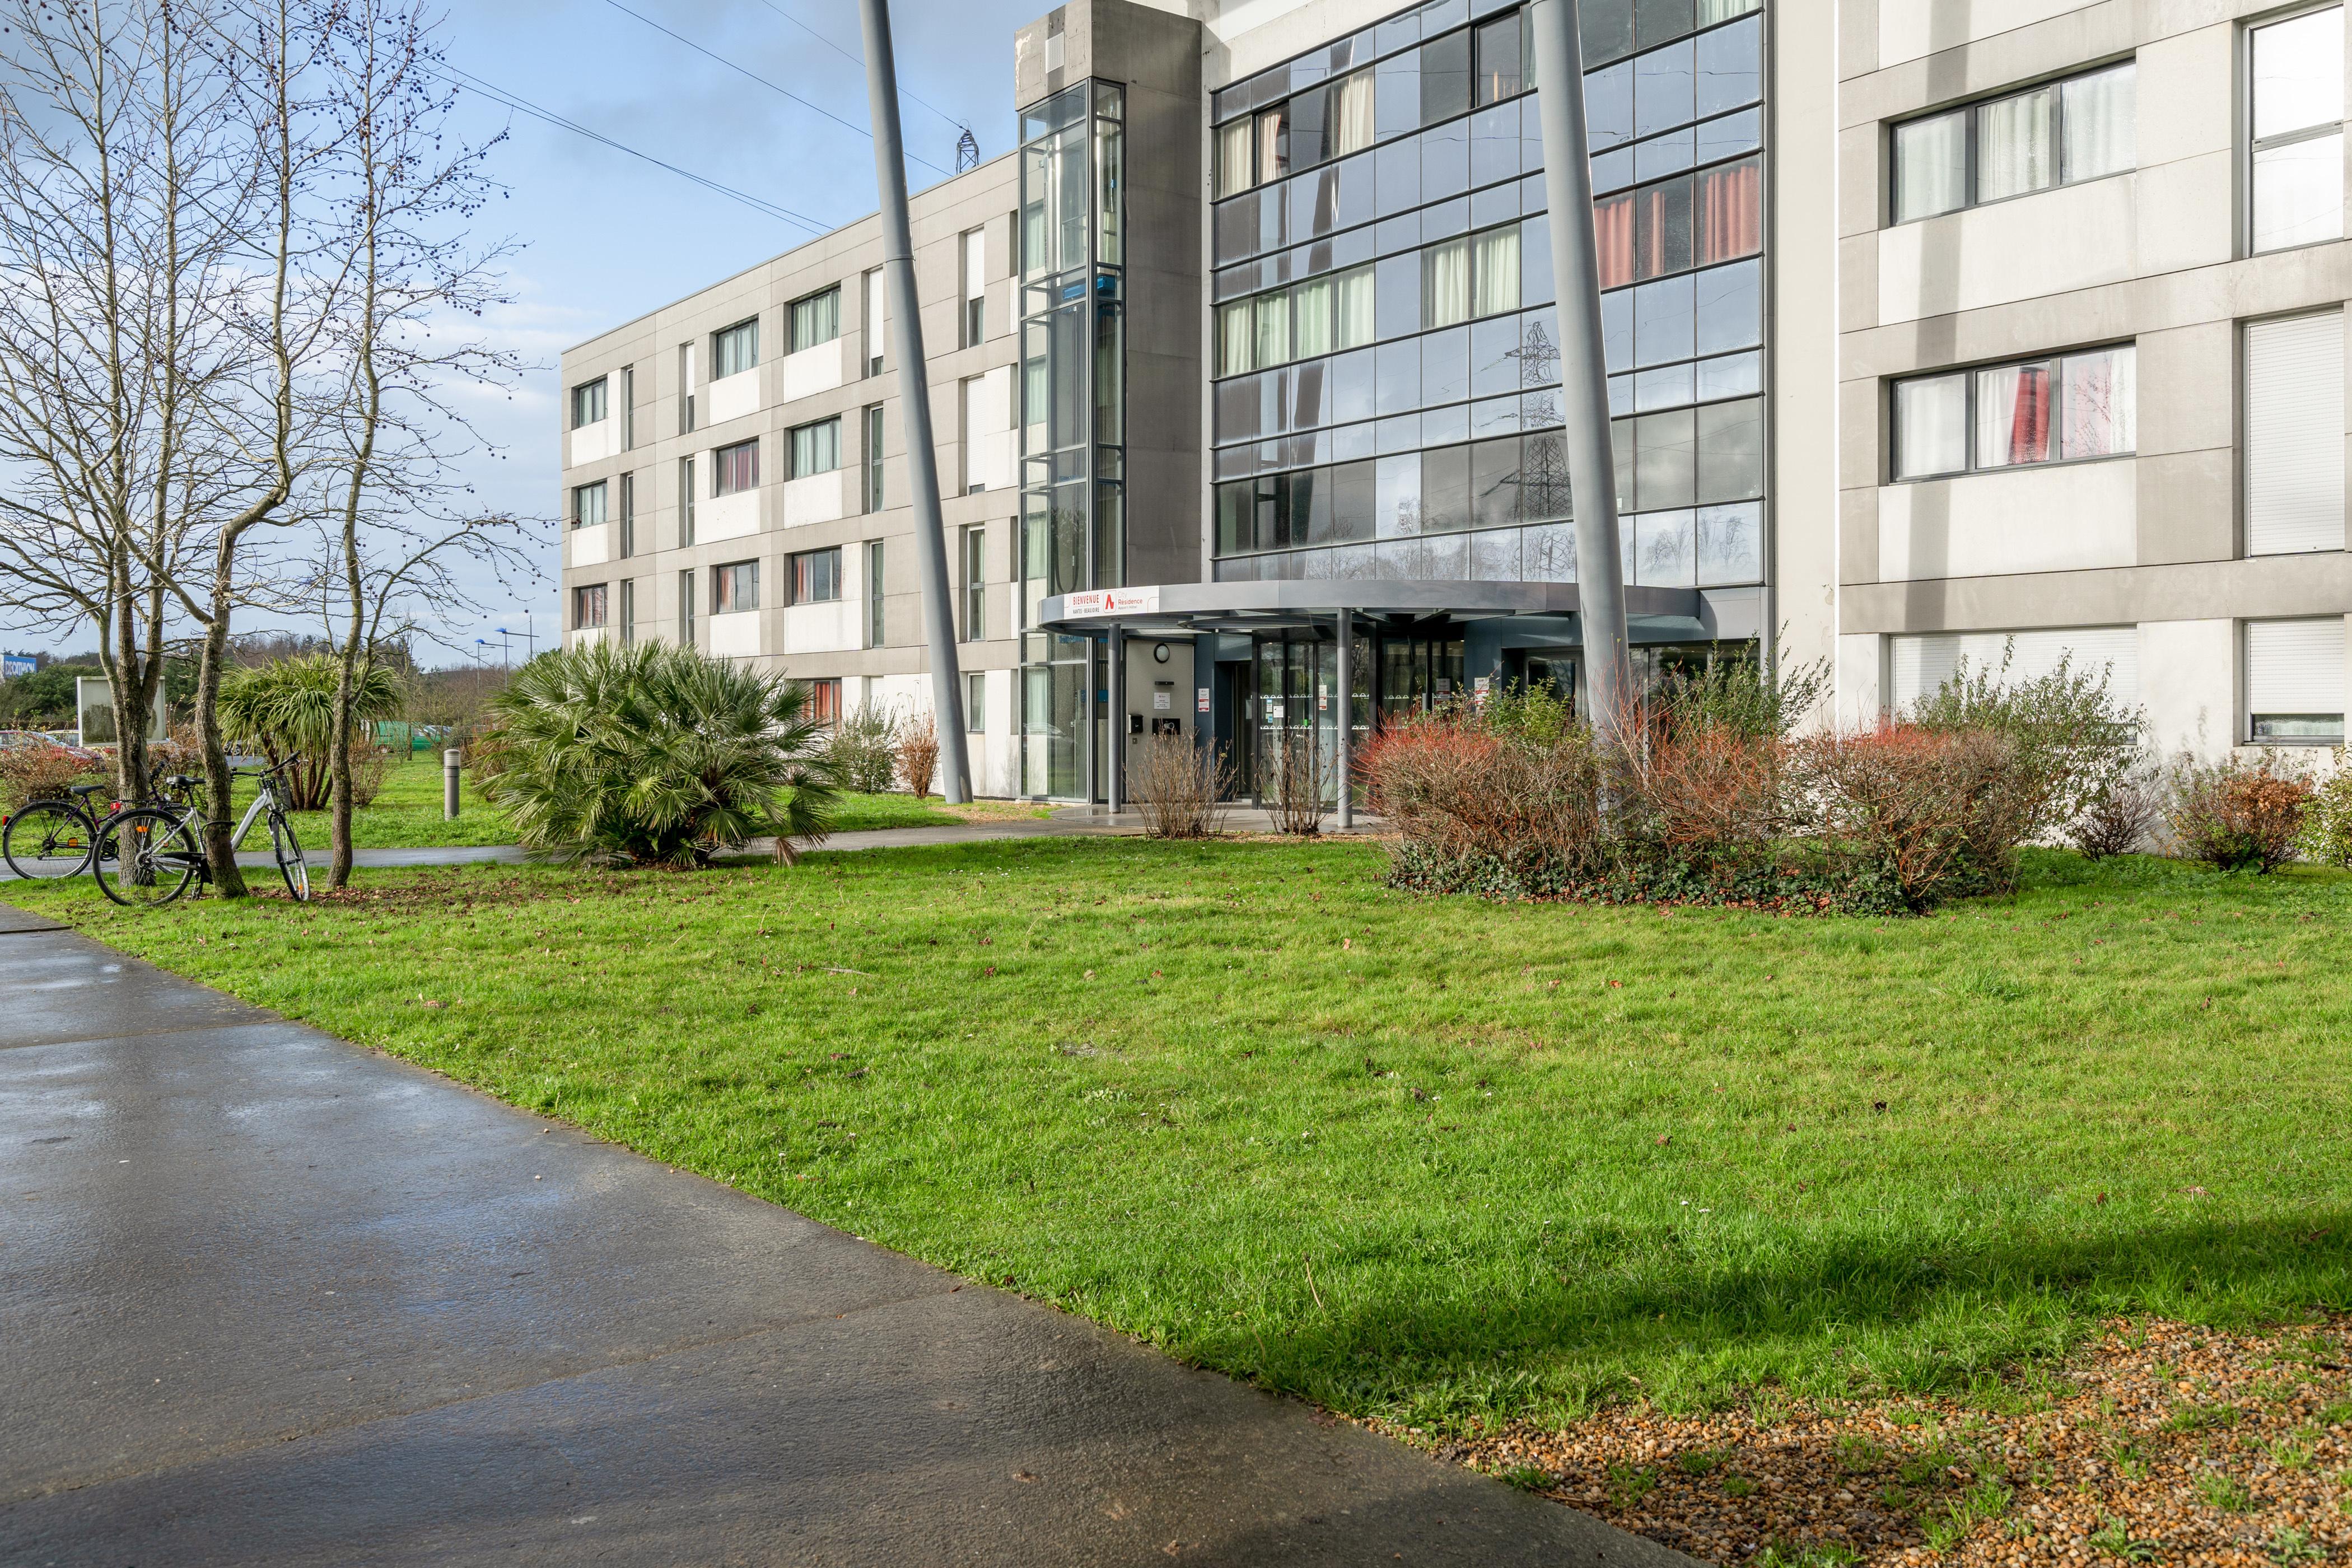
(1295,701)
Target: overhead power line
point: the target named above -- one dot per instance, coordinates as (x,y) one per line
(763,81)
(500,95)
(860,63)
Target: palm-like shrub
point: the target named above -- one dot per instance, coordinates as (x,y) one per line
(287,708)
(653,754)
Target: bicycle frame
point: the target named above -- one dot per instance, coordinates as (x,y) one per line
(265,798)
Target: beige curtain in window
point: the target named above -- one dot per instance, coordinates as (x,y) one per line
(1234,338)
(1272,328)
(1497,271)
(1272,146)
(1350,126)
(1234,171)
(1445,284)
(1310,318)
(1353,325)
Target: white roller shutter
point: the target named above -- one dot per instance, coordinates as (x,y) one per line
(2295,667)
(2295,434)
(1921,662)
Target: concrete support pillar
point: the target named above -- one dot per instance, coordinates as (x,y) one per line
(1347,695)
(1115,672)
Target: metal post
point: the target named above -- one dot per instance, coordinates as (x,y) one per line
(1584,372)
(1116,674)
(450,761)
(915,403)
(1346,683)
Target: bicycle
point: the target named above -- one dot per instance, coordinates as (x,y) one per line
(52,839)
(155,853)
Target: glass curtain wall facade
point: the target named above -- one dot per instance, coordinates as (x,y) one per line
(1386,386)
(1072,419)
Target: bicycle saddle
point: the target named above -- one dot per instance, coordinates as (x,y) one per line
(181,780)
(86,789)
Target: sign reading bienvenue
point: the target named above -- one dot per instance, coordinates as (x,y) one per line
(1112,602)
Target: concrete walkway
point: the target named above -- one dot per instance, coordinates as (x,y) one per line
(266,1298)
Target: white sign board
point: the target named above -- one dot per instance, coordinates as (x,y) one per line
(1112,602)
(94,706)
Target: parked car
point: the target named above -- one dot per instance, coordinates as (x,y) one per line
(13,739)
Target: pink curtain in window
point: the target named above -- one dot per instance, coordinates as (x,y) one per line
(2029,420)
(1730,213)
(1612,238)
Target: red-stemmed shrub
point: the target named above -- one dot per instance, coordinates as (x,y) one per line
(2234,815)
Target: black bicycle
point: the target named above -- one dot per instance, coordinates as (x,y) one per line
(150,855)
(52,839)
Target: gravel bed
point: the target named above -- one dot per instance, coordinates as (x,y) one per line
(2162,1443)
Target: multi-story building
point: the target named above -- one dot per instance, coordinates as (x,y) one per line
(1934,330)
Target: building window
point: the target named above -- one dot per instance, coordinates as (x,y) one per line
(685,389)
(2055,134)
(588,505)
(1693,220)
(2065,409)
(876,331)
(685,502)
(1918,664)
(817,320)
(588,403)
(975,702)
(2295,681)
(629,611)
(734,587)
(2296,99)
(628,407)
(1322,315)
(873,457)
(735,469)
(1502,46)
(734,350)
(975,581)
(976,287)
(825,701)
(686,608)
(1313,127)
(815,577)
(588,606)
(874,583)
(816,449)
(2295,433)
(1477,275)
(628,515)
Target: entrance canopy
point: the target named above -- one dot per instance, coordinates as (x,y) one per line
(1176,609)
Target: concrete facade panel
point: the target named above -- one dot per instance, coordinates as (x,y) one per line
(2187,507)
(2052,242)
(2055,518)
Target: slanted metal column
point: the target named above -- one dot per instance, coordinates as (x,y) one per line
(915,403)
(1346,684)
(1584,371)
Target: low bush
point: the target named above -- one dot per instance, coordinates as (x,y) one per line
(918,754)
(653,754)
(864,750)
(1293,781)
(2118,818)
(40,772)
(2073,738)
(1180,788)
(2326,837)
(2237,814)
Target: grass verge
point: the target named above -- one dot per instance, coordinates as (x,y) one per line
(1447,1162)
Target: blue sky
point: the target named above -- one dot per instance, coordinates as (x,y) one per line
(604,237)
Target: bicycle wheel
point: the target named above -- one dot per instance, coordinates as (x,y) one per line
(146,858)
(47,839)
(290,864)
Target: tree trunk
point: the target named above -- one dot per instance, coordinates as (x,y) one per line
(220,821)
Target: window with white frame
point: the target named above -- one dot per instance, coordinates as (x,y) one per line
(2295,433)
(2295,108)
(588,505)
(734,587)
(975,702)
(816,449)
(815,576)
(735,349)
(817,320)
(2295,681)
(588,403)
(735,469)
(2058,133)
(976,287)
(2063,408)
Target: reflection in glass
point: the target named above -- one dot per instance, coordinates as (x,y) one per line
(1731,545)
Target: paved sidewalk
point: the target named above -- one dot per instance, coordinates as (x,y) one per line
(268,1297)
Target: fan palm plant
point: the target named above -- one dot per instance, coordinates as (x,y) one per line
(653,754)
(287,708)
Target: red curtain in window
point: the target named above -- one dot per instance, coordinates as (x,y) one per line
(1612,238)
(1730,212)
(2029,420)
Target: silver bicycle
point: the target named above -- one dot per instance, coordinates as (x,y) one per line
(150,855)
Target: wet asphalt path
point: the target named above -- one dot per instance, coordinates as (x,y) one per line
(266,1298)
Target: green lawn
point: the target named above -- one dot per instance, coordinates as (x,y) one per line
(406,815)
(1438,1160)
